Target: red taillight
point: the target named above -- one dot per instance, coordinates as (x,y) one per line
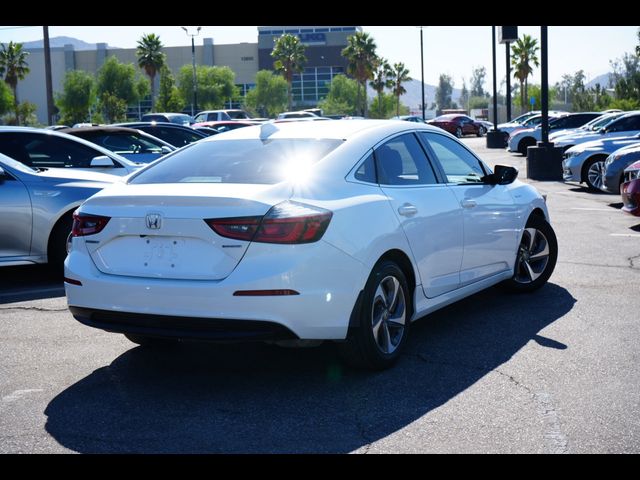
(88,224)
(287,222)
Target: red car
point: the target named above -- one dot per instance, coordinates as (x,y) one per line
(630,189)
(458,125)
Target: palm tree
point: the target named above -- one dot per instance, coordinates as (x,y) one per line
(289,59)
(151,58)
(14,67)
(400,76)
(361,55)
(523,54)
(381,80)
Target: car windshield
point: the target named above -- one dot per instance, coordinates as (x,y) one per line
(126,143)
(250,161)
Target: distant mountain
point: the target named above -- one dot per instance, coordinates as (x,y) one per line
(61,42)
(413,97)
(603,80)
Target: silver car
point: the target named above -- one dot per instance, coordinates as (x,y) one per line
(36,208)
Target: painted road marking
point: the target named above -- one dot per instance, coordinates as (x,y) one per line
(18,394)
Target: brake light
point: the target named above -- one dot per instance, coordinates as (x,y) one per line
(288,222)
(84,225)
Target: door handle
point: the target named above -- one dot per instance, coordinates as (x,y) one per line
(407,210)
(467,203)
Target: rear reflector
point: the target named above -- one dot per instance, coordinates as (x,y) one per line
(263,293)
(288,222)
(72,281)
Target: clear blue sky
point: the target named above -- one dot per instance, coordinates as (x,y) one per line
(452,50)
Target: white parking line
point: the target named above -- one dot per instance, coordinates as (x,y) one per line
(625,235)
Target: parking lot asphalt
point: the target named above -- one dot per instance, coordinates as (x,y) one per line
(551,372)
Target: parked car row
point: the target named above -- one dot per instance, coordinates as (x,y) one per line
(598,148)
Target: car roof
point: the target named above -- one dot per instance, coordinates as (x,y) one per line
(336,129)
(101,129)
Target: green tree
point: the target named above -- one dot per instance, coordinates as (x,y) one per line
(444,91)
(216,85)
(27,114)
(360,52)
(6,98)
(151,59)
(535,91)
(14,67)
(270,95)
(464,94)
(289,57)
(78,95)
(117,87)
(342,97)
(478,74)
(400,76)
(626,77)
(385,106)
(523,55)
(381,80)
(169,99)
(478,102)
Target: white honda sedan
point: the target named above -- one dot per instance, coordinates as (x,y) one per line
(342,230)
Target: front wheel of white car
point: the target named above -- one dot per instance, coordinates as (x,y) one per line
(537,256)
(383,321)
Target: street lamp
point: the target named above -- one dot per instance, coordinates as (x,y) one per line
(422,69)
(194,105)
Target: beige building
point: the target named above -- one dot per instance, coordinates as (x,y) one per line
(241,58)
(323,43)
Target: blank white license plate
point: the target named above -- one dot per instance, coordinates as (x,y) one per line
(162,252)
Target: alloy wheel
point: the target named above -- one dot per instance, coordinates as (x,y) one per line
(533,256)
(388,315)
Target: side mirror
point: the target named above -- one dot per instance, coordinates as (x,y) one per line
(101,161)
(164,150)
(502,175)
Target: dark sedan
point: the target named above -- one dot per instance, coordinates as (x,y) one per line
(458,125)
(135,145)
(176,135)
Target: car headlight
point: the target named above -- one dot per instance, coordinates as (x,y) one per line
(610,159)
(572,153)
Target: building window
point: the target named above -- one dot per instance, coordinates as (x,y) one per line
(246,59)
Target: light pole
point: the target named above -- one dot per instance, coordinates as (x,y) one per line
(422,69)
(194,105)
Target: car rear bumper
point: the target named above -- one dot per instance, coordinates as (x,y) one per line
(630,192)
(181,327)
(326,279)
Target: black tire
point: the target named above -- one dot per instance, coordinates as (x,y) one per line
(524,144)
(458,132)
(57,248)
(592,172)
(379,348)
(481,131)
(533,267)
(150,342)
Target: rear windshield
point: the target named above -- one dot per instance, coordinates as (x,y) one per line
(237,161)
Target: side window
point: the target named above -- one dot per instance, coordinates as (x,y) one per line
(459,165)
(367,171)
(401,161)
(45,151)
(201,117)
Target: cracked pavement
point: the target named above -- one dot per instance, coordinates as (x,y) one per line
(552,372)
